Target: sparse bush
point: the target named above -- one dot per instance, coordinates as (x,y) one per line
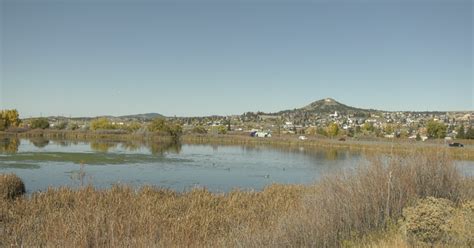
(11,186)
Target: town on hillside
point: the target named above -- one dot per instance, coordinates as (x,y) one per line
(325,117)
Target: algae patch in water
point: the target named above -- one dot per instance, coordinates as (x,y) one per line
(15,165)
(87,158)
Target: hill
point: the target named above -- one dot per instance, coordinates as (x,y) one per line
(146,116)
(327,106)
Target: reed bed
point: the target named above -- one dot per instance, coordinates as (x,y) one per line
(334,212)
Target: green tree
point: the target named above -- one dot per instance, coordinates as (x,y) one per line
(162,126)
(175,129)
(158,125)
(368,127)
(62,125)
(133,126)
(42,123)
(322,131)
(311,130)
(333,130)
(469,133)
(102,123)
(228,125)
(73,126)
(221,130)
(3,124)
(10,118)
(389,128)
(199,130)
(461,133)
(436,129)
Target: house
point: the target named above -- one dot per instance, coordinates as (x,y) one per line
(261,134)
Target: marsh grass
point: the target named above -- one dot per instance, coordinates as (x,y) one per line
(11,186)
(331,213)
(347,206)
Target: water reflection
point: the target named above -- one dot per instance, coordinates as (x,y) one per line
(131,146)
(103,147)
(162,148)
(39,142)
(155,148)
(331,154)
(9,145)
(64,143)
(80,175)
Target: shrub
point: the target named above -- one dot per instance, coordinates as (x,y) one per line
(162,126)
(42,123)
(199,130)
(102,123)
(62,125)
(221,129)
(133,126)
(11,186)
(427,220)
(436,129)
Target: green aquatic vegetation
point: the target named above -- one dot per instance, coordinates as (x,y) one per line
(15,165)
(86,158)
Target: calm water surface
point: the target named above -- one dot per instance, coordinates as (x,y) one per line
(43,163)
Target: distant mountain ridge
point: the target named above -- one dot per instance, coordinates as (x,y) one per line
(320,107)
(146,116)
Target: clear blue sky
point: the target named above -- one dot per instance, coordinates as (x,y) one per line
(192,58)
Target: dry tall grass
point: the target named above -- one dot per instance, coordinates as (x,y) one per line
(350,205)
(331,213)
(149,217)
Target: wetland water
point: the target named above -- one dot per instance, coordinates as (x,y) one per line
(42,163)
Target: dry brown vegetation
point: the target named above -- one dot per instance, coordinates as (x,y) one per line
(11,186)
(337,211)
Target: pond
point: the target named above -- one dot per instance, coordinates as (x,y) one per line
(43,163)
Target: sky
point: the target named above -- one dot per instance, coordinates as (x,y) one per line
(196,58)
